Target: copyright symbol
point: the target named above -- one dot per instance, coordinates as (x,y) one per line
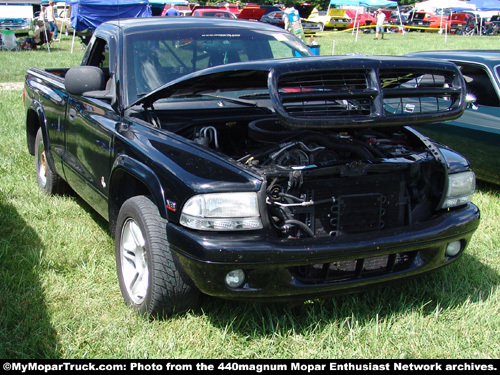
(7,366)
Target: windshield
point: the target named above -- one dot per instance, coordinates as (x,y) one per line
(157,58)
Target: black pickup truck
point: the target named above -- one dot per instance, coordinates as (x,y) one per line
(230,161)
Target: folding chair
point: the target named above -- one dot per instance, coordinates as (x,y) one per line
(9,41)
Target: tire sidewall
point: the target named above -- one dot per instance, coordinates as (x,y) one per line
(53,182)
(40,147)
(130,210)
(169,289)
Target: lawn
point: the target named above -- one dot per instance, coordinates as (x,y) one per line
(59,294)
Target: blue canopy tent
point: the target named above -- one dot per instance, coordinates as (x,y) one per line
(86,15)
(365,3)
(486,5)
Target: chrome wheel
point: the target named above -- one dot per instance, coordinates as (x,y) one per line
(48,181)
(41,166)
(134,265)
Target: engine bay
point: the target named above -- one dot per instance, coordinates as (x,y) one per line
(328,183)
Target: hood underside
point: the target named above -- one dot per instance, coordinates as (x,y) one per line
(336,92)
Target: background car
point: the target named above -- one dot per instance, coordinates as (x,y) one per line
(476,134)
(17,18)
(421,20)
(213,12)
(274,18)
(462,23)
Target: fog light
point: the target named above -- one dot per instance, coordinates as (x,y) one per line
(453,248)
(235,278)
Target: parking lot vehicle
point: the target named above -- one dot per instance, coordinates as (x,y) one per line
(17,18)
(212,12)
(495,20)
(346,18)
(462,23)
(251,12)
(274,18)
(425,21)
(476,134)
(230,161)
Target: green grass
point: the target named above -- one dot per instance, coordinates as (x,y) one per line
(345,42)
(59,295)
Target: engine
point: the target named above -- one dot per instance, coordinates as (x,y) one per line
(326,183)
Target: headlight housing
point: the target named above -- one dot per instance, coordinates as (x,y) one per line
(461,187)
(222,212)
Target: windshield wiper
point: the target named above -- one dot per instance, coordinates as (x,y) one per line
(240,101)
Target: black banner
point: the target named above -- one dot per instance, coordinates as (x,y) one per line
(256,366)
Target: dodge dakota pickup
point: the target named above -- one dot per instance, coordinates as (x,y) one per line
(232,162)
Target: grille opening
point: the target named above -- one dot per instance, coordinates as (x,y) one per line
(324,273)
(364,204)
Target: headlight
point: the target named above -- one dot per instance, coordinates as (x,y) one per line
(461,186)
(222,212)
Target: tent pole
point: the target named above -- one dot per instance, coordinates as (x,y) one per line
(401,21)
(46,37)
(73,40)
(355,20)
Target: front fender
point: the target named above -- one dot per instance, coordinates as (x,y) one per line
(130,177)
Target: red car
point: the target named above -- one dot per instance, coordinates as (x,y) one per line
(462,23)
(252,13)
(429,20)
(212,12)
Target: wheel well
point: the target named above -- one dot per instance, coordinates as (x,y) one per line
(32,126)
(123,186)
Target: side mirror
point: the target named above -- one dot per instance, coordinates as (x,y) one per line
(81,79)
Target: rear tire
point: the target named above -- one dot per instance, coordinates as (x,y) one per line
(150,276)
(48,181)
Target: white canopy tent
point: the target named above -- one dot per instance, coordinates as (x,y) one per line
(433,5)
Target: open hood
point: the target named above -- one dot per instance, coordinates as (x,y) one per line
(252,13)
(337,92)
(304,10)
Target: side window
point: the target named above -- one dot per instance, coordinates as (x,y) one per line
(479,84)
(277,49)
(100,56)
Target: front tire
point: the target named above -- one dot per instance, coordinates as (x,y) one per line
(151,280)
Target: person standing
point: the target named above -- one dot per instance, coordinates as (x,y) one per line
(51,19)
(379,29)
(172,11)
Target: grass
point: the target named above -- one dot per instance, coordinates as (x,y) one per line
(59,295)
(345,42)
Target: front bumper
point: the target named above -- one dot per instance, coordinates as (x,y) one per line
(302,269)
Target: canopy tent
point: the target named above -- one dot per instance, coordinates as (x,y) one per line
(365,3)
(453,5)
(432,5)
(88,14)
(486,5)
